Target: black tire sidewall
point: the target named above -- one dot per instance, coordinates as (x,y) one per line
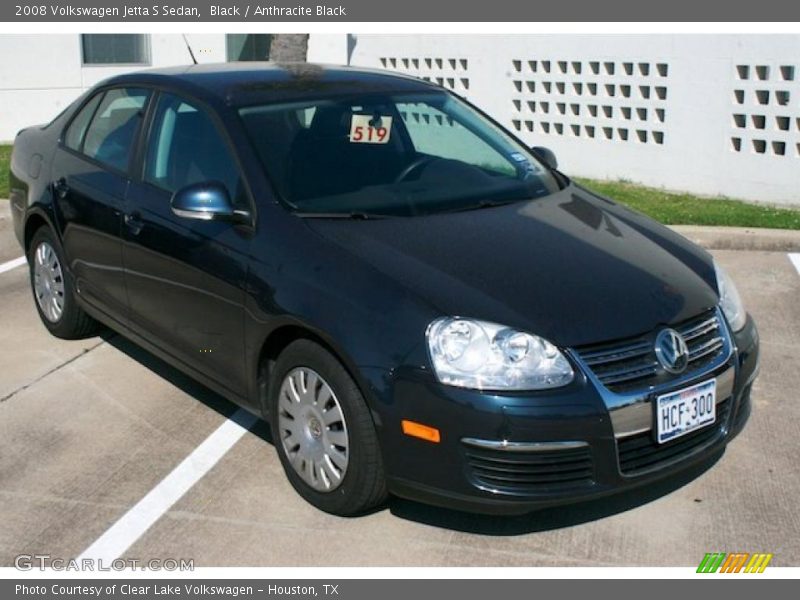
(352,496)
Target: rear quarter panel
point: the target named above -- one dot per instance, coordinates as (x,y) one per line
(29,175)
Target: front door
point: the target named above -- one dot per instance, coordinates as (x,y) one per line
(185,277)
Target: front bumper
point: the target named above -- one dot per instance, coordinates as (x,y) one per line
(561,447)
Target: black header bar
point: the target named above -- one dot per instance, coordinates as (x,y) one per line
(463,11)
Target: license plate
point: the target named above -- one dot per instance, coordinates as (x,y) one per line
(687,410)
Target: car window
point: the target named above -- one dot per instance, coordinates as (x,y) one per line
(435,133)
(390,154)
(185,148)
(76,130)
(111,133)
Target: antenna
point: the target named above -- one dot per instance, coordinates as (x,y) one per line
(189,48)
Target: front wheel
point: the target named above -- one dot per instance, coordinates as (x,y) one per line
(323,432)
(53,290)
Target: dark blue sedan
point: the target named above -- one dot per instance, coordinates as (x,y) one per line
(418,303)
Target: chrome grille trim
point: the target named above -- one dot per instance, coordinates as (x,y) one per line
(506,446)
(638,455)
(630,374)
(561,467)
(700,329)
(631,410)
(706,348)
(636,349)
(632,364)
(638,418)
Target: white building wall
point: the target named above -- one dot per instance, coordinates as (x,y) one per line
(41,74)
(328,48)
(707,114)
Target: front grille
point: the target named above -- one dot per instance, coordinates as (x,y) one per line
(632,364)
(530,472)
(640,453)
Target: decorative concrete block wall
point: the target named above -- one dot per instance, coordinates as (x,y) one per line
(710,114)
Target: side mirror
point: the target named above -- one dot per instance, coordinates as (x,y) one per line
(207,201)
(545,155)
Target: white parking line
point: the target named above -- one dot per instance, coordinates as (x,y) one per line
(132,525)
(13,264)
(795,258)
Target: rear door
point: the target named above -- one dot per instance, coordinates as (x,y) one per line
(186,278)
(90,179)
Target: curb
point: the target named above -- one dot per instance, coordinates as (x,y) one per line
(741,238)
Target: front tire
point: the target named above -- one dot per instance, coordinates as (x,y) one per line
(323,432)
(53,290)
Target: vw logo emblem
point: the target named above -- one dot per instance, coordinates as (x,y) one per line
(671,351)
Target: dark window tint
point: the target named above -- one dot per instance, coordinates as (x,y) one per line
(115,48)
(186,147)
(110,136)
(74,137)
(248,46)
(405,154)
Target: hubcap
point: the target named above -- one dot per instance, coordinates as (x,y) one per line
(313,430)
(48,282)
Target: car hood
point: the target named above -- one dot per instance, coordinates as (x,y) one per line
(572,267)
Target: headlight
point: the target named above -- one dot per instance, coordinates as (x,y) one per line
(729,299)
(486,356)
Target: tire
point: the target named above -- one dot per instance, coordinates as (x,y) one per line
(62,316)
(313,437)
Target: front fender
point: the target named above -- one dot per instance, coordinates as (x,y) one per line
(298,279)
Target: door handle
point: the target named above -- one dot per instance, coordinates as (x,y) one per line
(61,188)
(134,222)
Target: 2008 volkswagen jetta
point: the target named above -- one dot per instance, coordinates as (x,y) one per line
(417,303)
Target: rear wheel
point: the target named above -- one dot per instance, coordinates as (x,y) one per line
(323,432)
(53,290)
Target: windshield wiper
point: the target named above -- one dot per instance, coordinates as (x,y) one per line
(480,205)
(354,215)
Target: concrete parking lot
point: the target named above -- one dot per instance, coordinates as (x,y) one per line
(89,428)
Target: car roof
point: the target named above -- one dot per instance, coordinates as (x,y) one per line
(247,83)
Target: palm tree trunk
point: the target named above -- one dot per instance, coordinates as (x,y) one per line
(289,47)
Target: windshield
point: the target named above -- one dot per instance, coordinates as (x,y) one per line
(387,155)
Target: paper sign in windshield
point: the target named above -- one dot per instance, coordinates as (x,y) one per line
(370,129)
